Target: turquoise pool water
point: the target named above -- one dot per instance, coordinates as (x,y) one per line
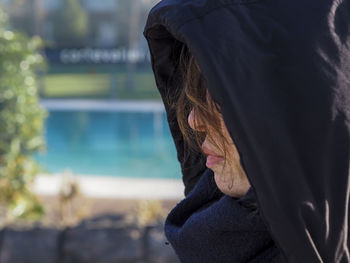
(125,144)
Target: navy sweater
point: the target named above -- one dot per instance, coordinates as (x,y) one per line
(208,226)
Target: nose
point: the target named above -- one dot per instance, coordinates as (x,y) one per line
(195,122)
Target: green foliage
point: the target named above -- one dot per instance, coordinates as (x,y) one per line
(21,122)
(70,24)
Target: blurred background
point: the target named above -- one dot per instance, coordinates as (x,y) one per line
(88,168)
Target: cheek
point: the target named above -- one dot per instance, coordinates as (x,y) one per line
(225,132)
(232,153)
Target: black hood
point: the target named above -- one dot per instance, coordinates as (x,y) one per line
(280,70)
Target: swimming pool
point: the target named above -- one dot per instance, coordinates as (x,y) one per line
(110,143)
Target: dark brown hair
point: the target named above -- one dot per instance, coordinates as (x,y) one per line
(194,95)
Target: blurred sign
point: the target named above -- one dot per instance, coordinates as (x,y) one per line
(96,56)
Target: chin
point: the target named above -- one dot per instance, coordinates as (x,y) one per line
(224,179)
(222,175)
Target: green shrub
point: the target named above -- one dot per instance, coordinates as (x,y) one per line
(21,123)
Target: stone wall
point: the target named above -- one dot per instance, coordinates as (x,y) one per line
(104,239)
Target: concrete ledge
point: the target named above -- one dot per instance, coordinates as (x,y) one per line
(102,105)
(113,187)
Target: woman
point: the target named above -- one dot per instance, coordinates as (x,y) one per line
(205,119)
(213,224)
(278,72)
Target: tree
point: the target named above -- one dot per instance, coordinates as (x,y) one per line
(21,122)
(70,24)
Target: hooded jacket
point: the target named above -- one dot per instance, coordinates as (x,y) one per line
(280,71)
(210,227)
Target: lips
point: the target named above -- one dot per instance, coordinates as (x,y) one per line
(213,160)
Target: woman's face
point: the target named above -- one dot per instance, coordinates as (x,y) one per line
(226,167)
